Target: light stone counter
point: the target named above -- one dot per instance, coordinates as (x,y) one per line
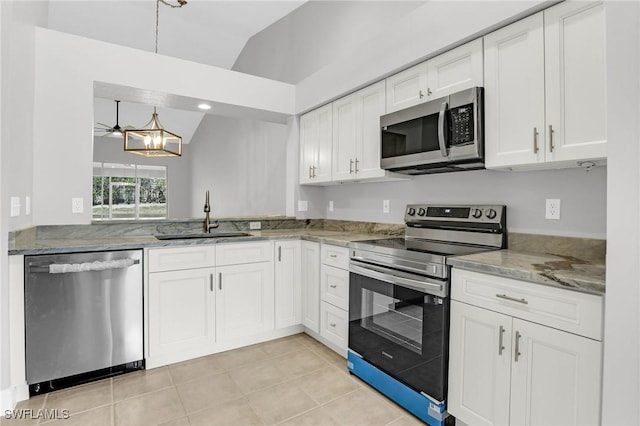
(66,245)
(554,270)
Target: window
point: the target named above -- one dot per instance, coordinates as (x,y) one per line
(129,191)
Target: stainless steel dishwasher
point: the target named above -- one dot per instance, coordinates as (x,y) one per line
(83,317)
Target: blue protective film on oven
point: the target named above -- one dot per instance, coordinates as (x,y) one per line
(417,404)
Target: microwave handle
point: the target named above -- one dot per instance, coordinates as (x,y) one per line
(441,136)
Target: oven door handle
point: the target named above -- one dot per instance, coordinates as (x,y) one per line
(423,285)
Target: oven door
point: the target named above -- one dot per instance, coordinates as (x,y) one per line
(402,331)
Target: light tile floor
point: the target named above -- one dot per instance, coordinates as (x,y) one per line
(290,381)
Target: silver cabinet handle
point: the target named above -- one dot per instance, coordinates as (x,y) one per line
(313,171)
(501,341)
(220,280)
(310,172)
(279,253)
(513,299)
(441,136)
(551,138)
(357,161)
(421,94)
(333,286)
(535,141)
(211,282)
(333,255)
(516,352)
(332,324)
(350,166)
(429,93)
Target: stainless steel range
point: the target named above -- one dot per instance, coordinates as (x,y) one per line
(399,301)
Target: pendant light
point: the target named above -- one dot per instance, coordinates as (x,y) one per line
(153,140)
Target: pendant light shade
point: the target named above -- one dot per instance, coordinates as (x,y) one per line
(153,140)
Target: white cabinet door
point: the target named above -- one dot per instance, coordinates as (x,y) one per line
(288,286)
(514,94)
(371,105)
(406,88)
(244,300)
(344,137)
(311,285)
(181,313)
(458,69)
(315,145)
(575,65)
(555,379)
(479,365)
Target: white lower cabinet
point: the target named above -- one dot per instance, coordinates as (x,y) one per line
(334,296)
(181,312)
(310,258)
(506,370)
(288,283)
(244,300)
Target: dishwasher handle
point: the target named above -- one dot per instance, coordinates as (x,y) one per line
(65,268)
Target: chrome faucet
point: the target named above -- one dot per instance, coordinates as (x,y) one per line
(207,222)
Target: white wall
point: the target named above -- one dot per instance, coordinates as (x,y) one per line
(109,150)
(314,34)
(242,163)
(66,68)
(17,57)
(582,195)
(622,314)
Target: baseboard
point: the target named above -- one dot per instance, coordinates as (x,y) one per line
(11,396)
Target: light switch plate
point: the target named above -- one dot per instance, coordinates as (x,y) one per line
(77,205)
(330,206)
(15,206)
(27,205)
(303,205)
(255,226)
(385,206)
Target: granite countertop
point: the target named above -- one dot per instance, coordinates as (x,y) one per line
(66,245)
(554,270)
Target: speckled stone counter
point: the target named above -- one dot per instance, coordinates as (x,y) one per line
(554,270)
(101,237)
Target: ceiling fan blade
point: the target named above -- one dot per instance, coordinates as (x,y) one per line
(107,126)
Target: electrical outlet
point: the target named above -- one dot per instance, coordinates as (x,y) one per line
(77,205)
(553,209)
(27,205)
(330,206)
(302,206)
(254,226)
(385,206)
(15,206)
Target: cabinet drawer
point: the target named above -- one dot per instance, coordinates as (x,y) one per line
(238,253)
(334,325)
(334,286)
(179,258)
(567,310)
(335,256)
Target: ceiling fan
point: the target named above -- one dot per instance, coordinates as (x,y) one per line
(105,130)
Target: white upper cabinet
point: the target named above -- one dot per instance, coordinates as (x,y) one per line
(455,70)
(545,89)
(574,36)
(407,88)
(315,145)
(514,93)
(356,134)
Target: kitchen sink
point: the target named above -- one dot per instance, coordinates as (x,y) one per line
(201,235)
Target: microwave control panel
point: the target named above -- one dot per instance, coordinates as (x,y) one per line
(462,125)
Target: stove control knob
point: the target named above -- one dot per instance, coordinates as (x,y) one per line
(411,211)
(491,214)
(422,212)
(477,213)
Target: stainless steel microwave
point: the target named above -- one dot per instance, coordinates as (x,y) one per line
(442,135)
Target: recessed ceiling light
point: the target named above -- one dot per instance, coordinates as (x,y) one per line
(204,106)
